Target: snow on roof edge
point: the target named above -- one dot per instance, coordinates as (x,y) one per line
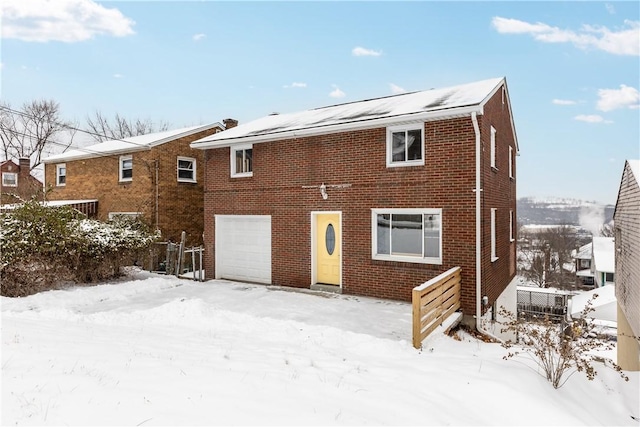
(130,144)
(359,114)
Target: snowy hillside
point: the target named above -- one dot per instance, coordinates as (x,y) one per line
(550,211)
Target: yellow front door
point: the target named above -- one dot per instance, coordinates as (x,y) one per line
(328,236)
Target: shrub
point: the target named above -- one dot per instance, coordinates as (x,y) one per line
(43,247)
(559,351)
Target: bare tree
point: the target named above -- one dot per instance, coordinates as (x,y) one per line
(104,129)
(544,254)
(33,131)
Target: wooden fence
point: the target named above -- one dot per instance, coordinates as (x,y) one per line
(433,302)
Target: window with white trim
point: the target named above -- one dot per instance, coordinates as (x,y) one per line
(493,147)
(405,145)
(511,225)
(61,175)
(9,179)
(242,160)
(510,162)
(126,168)
(493,234)
(186,169)
(409,235)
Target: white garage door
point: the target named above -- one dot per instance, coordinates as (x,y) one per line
(243,248)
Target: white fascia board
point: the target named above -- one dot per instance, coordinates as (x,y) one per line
(61,158)
(182,135)
(343,127)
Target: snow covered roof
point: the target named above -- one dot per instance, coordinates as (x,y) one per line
(52,203)
(604,305)
(129,145)
(416,106)
(604,254)
(584,252)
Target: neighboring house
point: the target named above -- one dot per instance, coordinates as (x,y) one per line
(18,185)
(626,220)
(369,198)
(582,259)
(157,176)
(603,261)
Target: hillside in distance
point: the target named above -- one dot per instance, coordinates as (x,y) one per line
(557,211)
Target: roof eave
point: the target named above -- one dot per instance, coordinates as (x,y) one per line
(191,132)
(342,127)
(94,155)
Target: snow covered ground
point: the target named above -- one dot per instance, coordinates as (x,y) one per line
(157,350)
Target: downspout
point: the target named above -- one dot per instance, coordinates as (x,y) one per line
(478,190)
(157,195)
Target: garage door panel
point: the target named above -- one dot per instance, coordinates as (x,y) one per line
(243,248)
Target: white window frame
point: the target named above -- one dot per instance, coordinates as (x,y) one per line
(493,147)
(511,224)
(404,258)
(59,175)
(15,179)
(121,169)
(393,129)
(234,149)
(493,234)
(511,162)
(193,169)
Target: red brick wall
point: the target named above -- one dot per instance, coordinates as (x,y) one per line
(28,185)
(180,205)
(499,191)
(281,168)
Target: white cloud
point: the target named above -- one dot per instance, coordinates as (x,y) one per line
(610,8)
(621,42)
(61,20)
(294,85)
(117,76)
(613,99)
(336,92)
(395,89)
(563,102)
(592,118)
(361,51)
(198,37)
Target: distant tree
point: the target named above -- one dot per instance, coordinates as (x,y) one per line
(542,255)
(105,129)
(562,241)
(34,130)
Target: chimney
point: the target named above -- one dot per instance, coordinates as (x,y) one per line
(230,123)
(24,164)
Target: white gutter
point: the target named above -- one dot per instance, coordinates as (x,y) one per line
(223,139)
(478,190)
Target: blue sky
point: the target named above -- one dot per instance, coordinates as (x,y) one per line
(573,68)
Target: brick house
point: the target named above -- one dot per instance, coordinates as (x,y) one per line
(626,220)
(369,198)
(157,176)
(18,185)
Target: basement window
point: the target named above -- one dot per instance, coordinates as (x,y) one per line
(186,169)
(409,235)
